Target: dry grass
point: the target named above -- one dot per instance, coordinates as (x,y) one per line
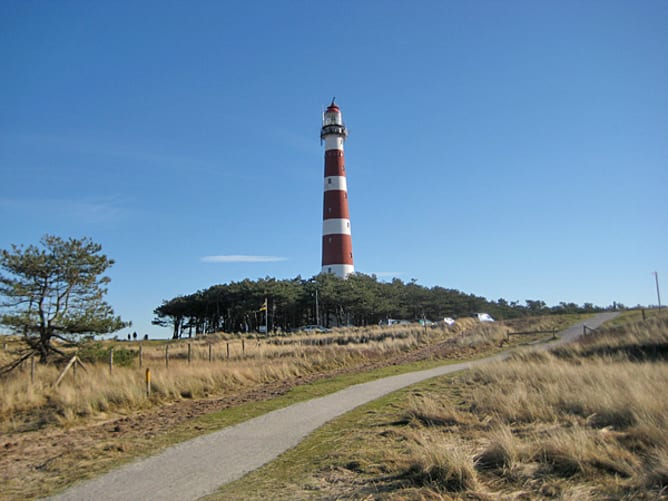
(426,411)
(234,365)
(585,422)
(440,465)
(502,452)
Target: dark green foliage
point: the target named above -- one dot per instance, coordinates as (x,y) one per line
(55,291)
(98,352)
(358,300)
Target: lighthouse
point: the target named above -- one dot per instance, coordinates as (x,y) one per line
(337,244)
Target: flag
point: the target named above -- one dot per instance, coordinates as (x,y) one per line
(264,305)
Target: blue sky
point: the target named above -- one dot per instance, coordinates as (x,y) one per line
(506,149)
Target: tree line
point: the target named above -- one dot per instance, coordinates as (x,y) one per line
(328,300)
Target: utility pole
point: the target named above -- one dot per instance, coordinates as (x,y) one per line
(658,294)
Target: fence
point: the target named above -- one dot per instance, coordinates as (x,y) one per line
(182,353)
(532,333)
(154,354)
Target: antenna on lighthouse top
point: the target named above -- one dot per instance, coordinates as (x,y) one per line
(333,99)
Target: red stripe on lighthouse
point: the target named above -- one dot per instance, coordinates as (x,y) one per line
(337,249)
(334,164)
(336,205)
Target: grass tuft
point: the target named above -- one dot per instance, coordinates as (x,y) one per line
(502,452)
(431,412)
(439,465)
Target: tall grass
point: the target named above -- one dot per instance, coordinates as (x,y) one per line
(588,420)
(235,365)
(95,392)
(441,465)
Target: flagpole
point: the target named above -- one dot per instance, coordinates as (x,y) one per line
(266,317)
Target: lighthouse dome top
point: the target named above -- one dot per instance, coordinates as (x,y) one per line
(333,108)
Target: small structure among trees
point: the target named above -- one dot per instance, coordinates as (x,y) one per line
(54,291)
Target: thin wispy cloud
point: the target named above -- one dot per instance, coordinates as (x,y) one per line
(148,158)
(90,210)
(239,258)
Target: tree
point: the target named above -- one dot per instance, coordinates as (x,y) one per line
(173,312)
(55,291)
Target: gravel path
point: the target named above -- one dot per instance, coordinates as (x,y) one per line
(199,466)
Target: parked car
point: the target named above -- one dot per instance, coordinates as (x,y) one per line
(485,317)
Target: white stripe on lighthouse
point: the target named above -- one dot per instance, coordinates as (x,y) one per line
(336,227)
(336,183)
(334,142)
(340,270)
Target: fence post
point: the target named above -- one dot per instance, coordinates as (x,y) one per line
(111,359)
(148,382)
(32,368)
(189,352)
(209,352)
(140,356)
(228,350)
(62,374)
(166,356)
(243,346)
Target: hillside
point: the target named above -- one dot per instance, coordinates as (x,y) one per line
(587,421)
(97,419)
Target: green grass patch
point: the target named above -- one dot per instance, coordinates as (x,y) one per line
(229,417)
(356,444)
(637,315)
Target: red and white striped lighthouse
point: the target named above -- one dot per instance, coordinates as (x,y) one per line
(337,244)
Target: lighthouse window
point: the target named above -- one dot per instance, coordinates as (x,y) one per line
(348,224)
(329,181)
(330,240)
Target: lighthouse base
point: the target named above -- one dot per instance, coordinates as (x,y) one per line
(340,270)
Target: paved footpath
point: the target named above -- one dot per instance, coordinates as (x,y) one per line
(199,466)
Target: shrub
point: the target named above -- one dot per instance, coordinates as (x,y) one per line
(96,352)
